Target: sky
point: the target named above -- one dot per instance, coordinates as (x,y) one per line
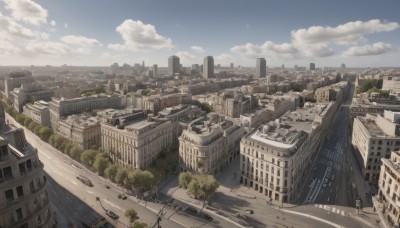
(102,32)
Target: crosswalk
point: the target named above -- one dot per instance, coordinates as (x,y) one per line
(332,209)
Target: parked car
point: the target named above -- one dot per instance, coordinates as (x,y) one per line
(206,216)
(191,210)
(112,215)
(248,211)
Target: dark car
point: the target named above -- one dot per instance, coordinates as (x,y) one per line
(107,186)
(206,216)
(112,215)
(191,210)
(122,196)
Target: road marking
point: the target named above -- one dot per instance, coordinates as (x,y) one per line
(315,218)
(343,213)
(47,156)
(113,205)
(89,191)
(333,210)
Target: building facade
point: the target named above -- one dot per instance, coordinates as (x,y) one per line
(261,68)
(208,67)
(275,157)
(375,137)
(136,145)
(209,144)
(38,112)
(15,79)
(173,65)
(389,183)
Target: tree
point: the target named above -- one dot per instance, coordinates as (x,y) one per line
(111,171)
(45,133)
(131,214)
(32,125)
(203,186)
(88,157)
(75,152)
(100,164)
(138,224)
(184,179)
(121,175)
(37,129)
(206,107)
(27,121)
(21,118)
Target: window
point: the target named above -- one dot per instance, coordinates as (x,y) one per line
(20,191)
(7,172)
(9,195)
(22,169)
(20,216)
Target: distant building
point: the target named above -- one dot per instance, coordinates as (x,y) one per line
(15,80)
(233,103)
(209,144)
(208,67)
(173,65)
(28,93)
(155,70)
(343,66)
(312,66)
(272,78)
(261,68)
(375,137)
(232,65)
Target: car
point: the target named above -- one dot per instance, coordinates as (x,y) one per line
(124,197)
(107,186)
(119,196)
(112,215)
(206,216)
(248,211)
(191,210)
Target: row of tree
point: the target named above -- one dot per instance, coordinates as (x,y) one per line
(132,216)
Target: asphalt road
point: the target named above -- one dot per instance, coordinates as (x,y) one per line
(330,180)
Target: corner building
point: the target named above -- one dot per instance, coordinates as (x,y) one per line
(275,157)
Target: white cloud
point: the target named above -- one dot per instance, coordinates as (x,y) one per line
(80,41)
(138,36)
(197,49)
(9,26)
(267,49)
(27,11)
(374,49)
(7,49)
(224,59)
(317,41)
(53,23)
(186,58)
(66,26)
(345,34)
(56,49)
(44,35)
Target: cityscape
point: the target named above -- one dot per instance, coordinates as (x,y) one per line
(179,113)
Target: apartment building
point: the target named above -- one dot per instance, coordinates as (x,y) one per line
(276,156)
(209,144)
(375,137)
(82,130)
(64,107)
(233,103)
(136,144)
(38,112)
(388,194)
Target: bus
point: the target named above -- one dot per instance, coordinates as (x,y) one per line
(85,180)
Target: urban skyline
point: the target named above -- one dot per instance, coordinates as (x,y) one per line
(43,32)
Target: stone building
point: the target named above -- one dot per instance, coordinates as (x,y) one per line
(375,137)
(209,144)
(38,112)
(275,157)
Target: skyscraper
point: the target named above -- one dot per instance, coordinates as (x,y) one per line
(261,66)
(312,66)
(155,70)
(173,65)
(208,67)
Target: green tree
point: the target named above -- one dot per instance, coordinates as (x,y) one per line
(206,107)
(131,214)
(75,152)
(111,171)
(121,175)
(100,164)
(67,148)
(45,133)
(138,224)
(37,129)
(88,157)
(21,118)
(27,121)
(203,186)
(184,179)
(32,125)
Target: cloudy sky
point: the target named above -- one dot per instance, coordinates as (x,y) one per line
(101,32)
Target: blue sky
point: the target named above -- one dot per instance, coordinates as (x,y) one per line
(100,32)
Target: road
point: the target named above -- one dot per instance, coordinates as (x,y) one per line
(71,198)
(330,181)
